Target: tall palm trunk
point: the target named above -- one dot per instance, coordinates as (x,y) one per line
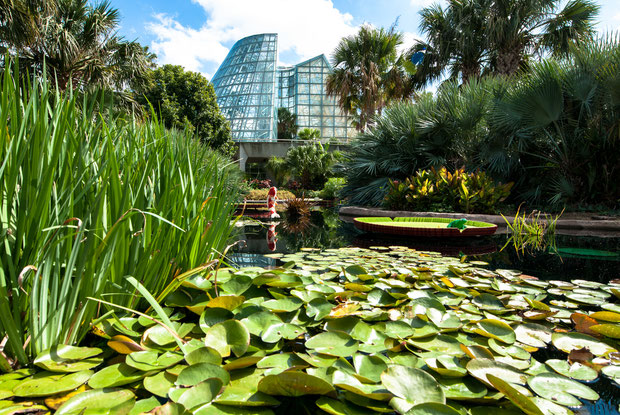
(508,61)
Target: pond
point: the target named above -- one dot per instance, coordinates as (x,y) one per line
(324,230)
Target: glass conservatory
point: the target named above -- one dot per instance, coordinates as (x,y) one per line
(250,88)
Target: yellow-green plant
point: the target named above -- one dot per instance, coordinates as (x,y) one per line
(531,233)
(440,188)
(88,199)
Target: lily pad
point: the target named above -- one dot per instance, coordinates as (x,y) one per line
(47,384)
(333,343)
(413,385)
(576,341)
(228,336)
(115,375)
(100,402)
(561,389)
(574,371)
(294,384)
(497,330)
(480,368)
(64,358)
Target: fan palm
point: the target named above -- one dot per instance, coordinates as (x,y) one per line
(75,41)
(368,73)
(455,41)
(518,28)
(287,124)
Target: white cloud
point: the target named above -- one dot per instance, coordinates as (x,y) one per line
(305,27)
(422,3)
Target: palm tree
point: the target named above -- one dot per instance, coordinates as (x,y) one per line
(455,41)
(287,124)
(75,41)
(518,28)
(309,134)
(470,38)
(368,73)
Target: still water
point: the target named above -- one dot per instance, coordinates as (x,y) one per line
(323,229)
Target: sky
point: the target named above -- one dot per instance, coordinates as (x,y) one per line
(197,34)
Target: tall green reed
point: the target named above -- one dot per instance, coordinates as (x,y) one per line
(88,199)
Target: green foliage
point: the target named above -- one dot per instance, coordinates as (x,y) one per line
(368,73)
(470,38)
(531,233)
(287,124)
(88,199)
(309,163)
(309,134)
(332,187)
(345,331)
(554,132)
(459,191)
(75,41)
(186,99)
(261,194)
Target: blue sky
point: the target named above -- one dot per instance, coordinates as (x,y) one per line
(198,33)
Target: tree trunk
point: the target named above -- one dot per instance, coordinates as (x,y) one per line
(508,62)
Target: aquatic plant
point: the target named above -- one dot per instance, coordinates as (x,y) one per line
(88,198)
(531,233)
(346,331)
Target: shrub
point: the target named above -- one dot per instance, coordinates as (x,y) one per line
(261,194)
(442,190)
(332,188)
(260,184)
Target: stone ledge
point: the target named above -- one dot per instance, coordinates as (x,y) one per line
(578,227)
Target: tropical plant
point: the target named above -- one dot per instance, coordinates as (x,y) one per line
(431,132)
(186,99)
(287,124)
(563,119)
(448,339)
(440,189)
(279,168)
(309,134)
(311,163)
(74,41)
(531,233)
(517,29)
(332,187)
(469,38)
(261,194)
(88,199)
(368,73)
(455,41)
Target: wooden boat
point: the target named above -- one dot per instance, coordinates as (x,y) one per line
(428,227)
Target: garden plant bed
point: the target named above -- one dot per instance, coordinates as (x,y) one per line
(346,330)
(423,226)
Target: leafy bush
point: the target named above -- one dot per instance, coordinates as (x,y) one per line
(309,164)
(332,187)
(553,132)
(260,184)
(261,194)
(442,190)
(87,200)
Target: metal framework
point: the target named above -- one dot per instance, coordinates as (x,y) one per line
(250,89)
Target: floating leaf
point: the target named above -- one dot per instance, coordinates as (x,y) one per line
(100,402)
(497,330)
(480,368)
(227,302)
(47,384)
(575,341)
(115,375)
(159,384)
(124,345)
(63,358)
(413,385)
(560,389)
(201,394)
(230,335)
(432,408)
(333,343)
(520,400)
(574,371)
(294,384)
(608,330)
(200,372)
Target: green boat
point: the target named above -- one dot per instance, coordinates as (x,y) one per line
(421,226)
